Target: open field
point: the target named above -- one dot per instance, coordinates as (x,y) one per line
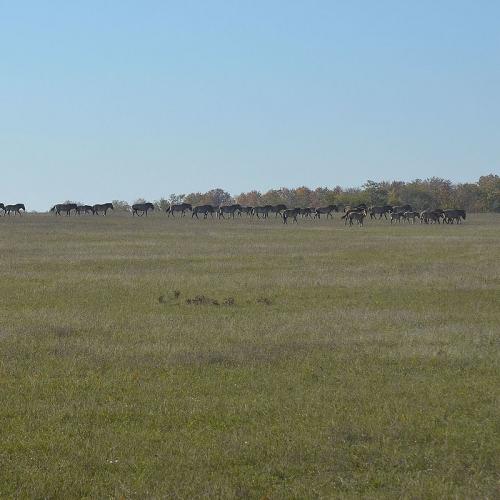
(339,362)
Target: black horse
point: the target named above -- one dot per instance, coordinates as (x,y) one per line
(454,215)
(143,208)
(380,211)
(205,210)
(277,209)
(180,207)
(290,213)
(64,207)
(84,209)
(229,209)
(246,210)
(402,208)
(264,211)
(16,209)
(102,208)
(328,211)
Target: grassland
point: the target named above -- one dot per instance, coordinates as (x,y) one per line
(335,362)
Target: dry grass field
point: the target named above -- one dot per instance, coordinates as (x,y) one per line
(151,357)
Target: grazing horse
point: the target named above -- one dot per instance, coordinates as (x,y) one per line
(142,207)
(2,207)
(228,209)
(453,215)
(180,207)
(64,207)
(16,209)
(205,210)
(85,209)
(358,216)
(328,210)
(102,208)
(290,212)
(264,211)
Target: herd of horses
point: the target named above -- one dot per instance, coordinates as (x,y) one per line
(66,208)
(351,214)
(402,213)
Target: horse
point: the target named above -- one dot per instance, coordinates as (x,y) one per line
(277,209)
(205,210)
(434,216)
(228,209)
(328,210)
(358,216)
(306,212)
(180,207)
(264,211)
(402,208)
(374,211)
(64,207)
(411,216)
(397,216)
(246,210)
(102,208)
(453,215)
(142,207)
(290,212)
(14,208)
(85,209)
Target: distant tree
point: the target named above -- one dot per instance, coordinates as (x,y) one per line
(251,199)
(219,197)
(161,205)
(489,186)
(323,196)
(121,206)
(353,196)
(214,197)
(194,198)
(377,192)
(468,197)
(435,192)
(176,198)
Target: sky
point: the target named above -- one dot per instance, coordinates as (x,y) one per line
(103,100)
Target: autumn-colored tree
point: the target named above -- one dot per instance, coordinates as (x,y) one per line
(251,199)
(434,192)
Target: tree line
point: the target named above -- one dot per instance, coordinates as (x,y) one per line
(480,196)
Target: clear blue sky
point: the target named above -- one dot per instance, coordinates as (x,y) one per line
(124,99)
